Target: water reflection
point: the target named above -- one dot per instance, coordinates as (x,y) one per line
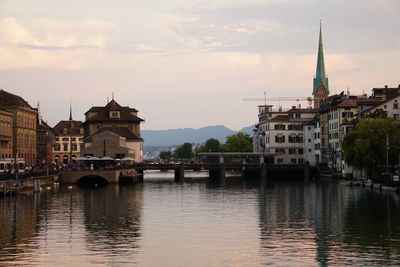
(327,224)
(112,218)
(202,222)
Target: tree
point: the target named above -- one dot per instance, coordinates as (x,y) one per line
(378,113)
(211,145)
(165,155)
(365,146)
(184,151)
(240,142)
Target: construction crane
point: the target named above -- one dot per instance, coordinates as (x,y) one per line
(281,98)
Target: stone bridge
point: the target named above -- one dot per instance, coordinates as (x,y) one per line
(103,176)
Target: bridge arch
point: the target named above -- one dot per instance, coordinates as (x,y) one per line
(92,180)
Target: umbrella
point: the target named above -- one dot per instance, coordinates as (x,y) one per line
(106,158)
(127,159)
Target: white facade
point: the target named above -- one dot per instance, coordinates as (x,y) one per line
(283,133)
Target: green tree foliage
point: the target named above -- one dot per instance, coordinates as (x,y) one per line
(365,146)
(165,155)
(240,142)
(184,151)
(378,113)
(211,145)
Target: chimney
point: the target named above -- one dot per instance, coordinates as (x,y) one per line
(386,86)
(299,106)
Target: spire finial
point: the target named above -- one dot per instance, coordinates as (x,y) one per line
(70,110)
(112,95)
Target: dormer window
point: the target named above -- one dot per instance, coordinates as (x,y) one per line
(65,131)
(114,114)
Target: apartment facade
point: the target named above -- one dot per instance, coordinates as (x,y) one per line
(24,126)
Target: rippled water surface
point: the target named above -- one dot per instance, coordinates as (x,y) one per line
(201,223)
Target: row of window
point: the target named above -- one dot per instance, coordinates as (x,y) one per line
(291,151)
(294,127)
(65,146)
(64,139)
(293,161)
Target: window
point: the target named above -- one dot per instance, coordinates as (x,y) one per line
(292,151)
(81,131)
(114,114)
(65,131)
(384,106)
(280,139)
(65,147)
(309,150)
(293,161)
(280,127)
(73,139)
(65,139)
(395,105)
(57,147)
(280,150)
(301,151)
(292,139)
(279,161)
(299,139)
(74,147)
(301,161)
(57,139)
(295,127)
(309,140)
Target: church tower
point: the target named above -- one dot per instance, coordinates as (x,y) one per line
(321,86)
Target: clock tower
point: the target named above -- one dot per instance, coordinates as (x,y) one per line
(321,86)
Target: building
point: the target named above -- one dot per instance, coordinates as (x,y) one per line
(45,140)
(113,131)
(68,140)
(6,136)
(24,126)
(285,133)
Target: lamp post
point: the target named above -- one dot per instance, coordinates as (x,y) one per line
(387,152)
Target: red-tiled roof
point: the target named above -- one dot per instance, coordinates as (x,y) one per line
(348,103)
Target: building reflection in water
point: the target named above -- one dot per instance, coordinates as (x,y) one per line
(112,218)
(328,224)
(67,227)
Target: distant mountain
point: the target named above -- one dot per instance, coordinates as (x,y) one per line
(248,130)
(179,136)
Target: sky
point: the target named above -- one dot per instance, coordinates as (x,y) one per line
(191,63)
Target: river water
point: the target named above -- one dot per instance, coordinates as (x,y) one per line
(201,223)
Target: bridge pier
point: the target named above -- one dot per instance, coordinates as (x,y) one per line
(219,173)
(179,173)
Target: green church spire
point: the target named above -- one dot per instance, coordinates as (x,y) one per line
(320,77)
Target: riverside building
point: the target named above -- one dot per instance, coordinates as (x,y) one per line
(6,136)
(68,140)
(113,131)
(23,127)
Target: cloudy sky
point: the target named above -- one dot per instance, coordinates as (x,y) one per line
(191,63)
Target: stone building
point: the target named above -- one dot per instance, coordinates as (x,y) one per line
(113,131)
(45,138)
(24,126)
(6,136)
(68,140)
